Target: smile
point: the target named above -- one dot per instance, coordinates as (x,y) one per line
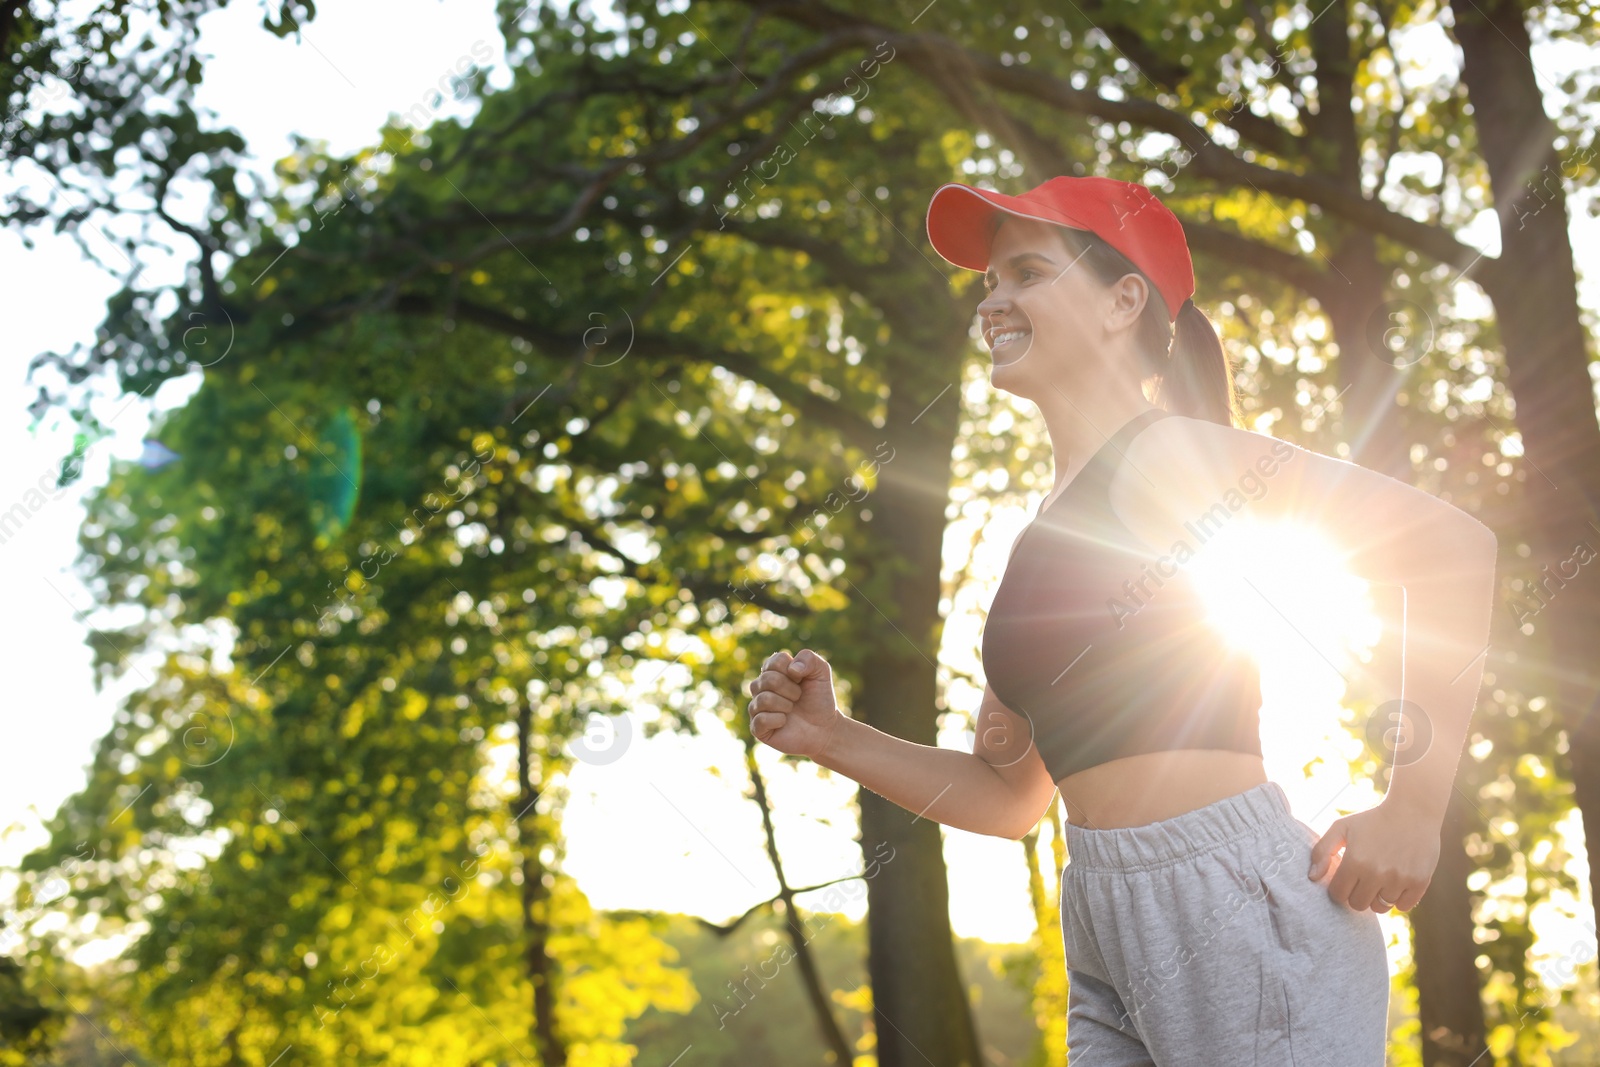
(1005,337)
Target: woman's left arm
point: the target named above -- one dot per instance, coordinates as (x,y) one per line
(1391,851)
(1178,469)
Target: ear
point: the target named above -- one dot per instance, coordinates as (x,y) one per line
(1129,295)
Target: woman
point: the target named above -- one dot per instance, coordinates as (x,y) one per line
(1203,923)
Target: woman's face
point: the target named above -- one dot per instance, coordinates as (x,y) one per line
(1046,309)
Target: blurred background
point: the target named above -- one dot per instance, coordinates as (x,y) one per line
(424,417)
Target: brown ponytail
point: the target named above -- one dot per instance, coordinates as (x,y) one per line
(1196,378)
(1193,374)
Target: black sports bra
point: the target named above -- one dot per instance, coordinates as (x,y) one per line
(1105,653)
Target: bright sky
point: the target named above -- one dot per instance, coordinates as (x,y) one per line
(656,829)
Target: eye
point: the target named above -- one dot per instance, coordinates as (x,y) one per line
(1027,271)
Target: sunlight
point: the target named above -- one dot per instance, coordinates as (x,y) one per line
(1282,592)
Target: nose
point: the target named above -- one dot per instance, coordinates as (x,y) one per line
(993,306)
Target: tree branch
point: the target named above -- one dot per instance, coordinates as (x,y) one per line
(934,54)
(812,406)
(1255,255)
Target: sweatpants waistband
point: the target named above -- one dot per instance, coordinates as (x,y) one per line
(1167,841)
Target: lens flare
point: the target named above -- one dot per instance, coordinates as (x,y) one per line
(335,478)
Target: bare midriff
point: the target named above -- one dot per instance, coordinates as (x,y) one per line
(1135,790)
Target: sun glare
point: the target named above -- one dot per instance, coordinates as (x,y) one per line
(1282,592)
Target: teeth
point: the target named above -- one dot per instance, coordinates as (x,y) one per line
(1002,338)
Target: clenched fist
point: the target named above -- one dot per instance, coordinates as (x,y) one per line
(792,706)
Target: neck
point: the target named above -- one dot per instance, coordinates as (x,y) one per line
(1080,425)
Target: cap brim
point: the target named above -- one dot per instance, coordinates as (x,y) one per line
(959,217)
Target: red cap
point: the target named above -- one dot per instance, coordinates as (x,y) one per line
(1126,215)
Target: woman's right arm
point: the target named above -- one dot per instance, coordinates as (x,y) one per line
(1001,788)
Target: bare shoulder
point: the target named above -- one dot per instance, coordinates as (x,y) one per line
(1189,442)
(1180,468)
(1197,457)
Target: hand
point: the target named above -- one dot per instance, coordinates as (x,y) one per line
(1388,860)
(792,706)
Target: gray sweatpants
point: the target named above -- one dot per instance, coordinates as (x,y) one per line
(1198,941)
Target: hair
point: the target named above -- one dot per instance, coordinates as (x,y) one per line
(1193,374)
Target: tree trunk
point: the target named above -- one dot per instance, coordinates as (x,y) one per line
(1535,298)
(1375,359)
(1442,927)
(535,903)
(1450,1002)
(920,1007)
(1381,342)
